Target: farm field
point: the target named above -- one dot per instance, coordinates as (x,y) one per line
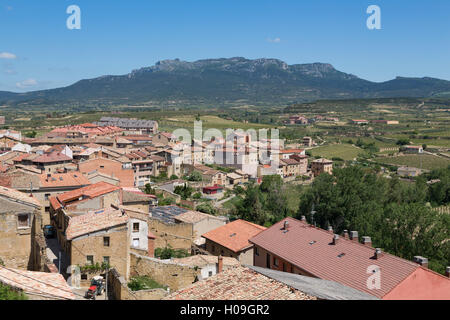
(428,161)
(343,151)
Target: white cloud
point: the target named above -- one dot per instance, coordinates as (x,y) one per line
(274,40)
(26,84)
(7,55)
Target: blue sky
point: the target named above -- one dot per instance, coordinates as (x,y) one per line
(37,51)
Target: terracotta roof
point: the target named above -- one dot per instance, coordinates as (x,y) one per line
(49,285)
(52,157)
(238,283)
(91,191)
(19,196)
(311,249)
(110,167)
(95,221)
(234,235)
(68,179)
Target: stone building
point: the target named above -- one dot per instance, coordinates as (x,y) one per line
(321,165)
(20,221)
(101,236)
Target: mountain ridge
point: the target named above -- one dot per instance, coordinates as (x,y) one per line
(226,80)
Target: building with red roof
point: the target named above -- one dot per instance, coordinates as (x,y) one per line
(295,246)
(231,240)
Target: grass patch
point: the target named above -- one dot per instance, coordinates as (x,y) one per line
(144,283)
(428,161)
(343,151)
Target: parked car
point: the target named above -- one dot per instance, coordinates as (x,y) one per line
(49,231)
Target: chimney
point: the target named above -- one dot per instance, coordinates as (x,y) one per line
(330,229)
(447,272)
(286,225)
(345,234)
(219,264)
(335,239)
(367,241)
(378,253)
(354,236)
(303,219)
(422,261)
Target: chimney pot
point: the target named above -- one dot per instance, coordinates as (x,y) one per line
(421,260)
(330,229)
(354,235)
(335,239)
(367,241)
(378,253)
(219,264)
(286,225)
(345,234)
(447,272)
(303,218)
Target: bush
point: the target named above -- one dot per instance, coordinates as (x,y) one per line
(143,283)
(168,252)
(6,293)
(206,207)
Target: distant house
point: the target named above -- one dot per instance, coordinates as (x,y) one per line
(212,189)
(413,149)
(163,139)
(231,240)
(359,121)
(320,166)
(389,122)
(294,246)
(145,126)
(208,265)
(408,172)
(308,141)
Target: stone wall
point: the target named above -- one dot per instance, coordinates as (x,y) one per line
(165,272)
(118,289)
(178,236)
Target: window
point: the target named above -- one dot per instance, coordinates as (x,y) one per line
(47,195)
(136,242)
(84,276)
(268,261)
(136,227)
(275,262)
(23,220)
(106,260)
(256,251)
(106,241)
(213,249)
(90,260)
(210,274)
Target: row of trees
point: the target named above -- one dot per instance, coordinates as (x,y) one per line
(397,215)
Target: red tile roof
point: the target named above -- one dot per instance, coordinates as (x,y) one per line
(49,285)
(234,235)
(239,283)
(322,259)
(92,191)
(52,157)
(69,179)
(95,221)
